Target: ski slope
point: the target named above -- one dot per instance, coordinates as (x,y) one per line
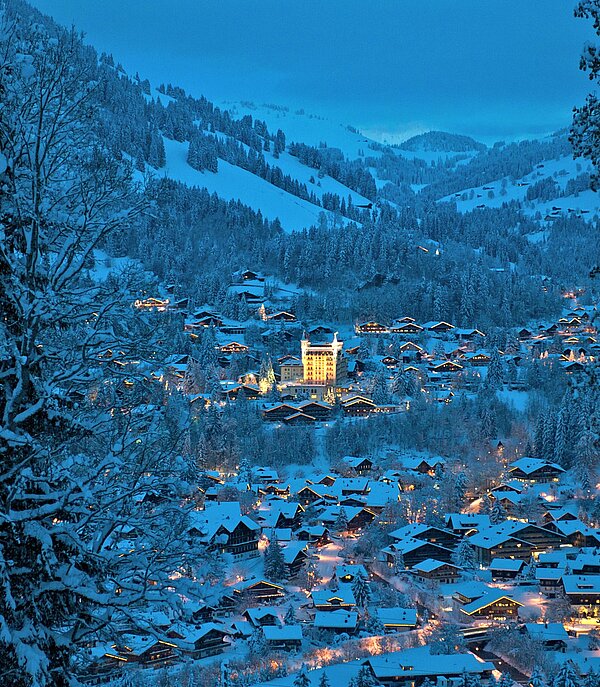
(235,183)
(307,128)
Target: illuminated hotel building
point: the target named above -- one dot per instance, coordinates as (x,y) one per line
(323,362)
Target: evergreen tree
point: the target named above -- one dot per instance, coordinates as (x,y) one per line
(537,678)
(497,514)
(290,616)
(447,639)
(464,556)
(274,563)
(324,680)
(495,372)
(361,591)
(77,448)
(302,679)
(341,522)
(566,676)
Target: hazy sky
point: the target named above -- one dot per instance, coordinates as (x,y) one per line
(490,68)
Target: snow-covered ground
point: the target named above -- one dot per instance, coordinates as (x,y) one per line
(561,170)
(307,128)
(235,183)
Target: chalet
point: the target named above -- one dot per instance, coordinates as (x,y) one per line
(587,563)
(233,347)
(294,557)
(447,366)
(263,616)
(493,605)
(396,619)
(438,327)
(421,465)
(207,640)
(279,412)
(320,411)
(408,328)
(280,514)
(552,636)
(359,465)
(505,569)
(357,406)
(550,581)
(200,613)
(371,328)
(414,551)
(412,667)
(317,535)
(259,590)
(248,391)
(221,526)
(144,650)
(320,331)
(337,621)
(299,418)
(576,532)
(478,359)
(282,316)
(467,334)
(390,362)
(582,591)
(314,492)
(571,366)
(430,533)
(357,516)
(513,539)
(525,334)
(325,600)
(439,572)
(535,471)
(348,573)
(251,275)
(283,638)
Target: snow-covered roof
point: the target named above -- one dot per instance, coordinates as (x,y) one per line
(338,620)
(506,564)
(405,617)
(274,633)
(431,564)
(419,662)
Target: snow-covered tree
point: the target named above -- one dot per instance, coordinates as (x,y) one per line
(566,676)
(341,522)
(361,591)
(537,678)
(498,513)
(302,679)
(78,447)
(447,638)
(324,680)
(464,556)
(274,564)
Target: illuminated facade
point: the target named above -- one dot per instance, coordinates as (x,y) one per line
(323,362)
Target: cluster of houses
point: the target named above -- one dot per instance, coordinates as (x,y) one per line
(316,520)
(311,364)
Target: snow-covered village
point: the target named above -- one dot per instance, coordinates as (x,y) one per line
(286,402)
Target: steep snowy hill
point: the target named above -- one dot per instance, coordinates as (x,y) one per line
(235,183)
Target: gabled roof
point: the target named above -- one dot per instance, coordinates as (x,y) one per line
(531,465)
(397,616)
(285,633)
(486,600)
(337,620)
(431,564)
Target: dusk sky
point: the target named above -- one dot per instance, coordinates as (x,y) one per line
(492,69)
